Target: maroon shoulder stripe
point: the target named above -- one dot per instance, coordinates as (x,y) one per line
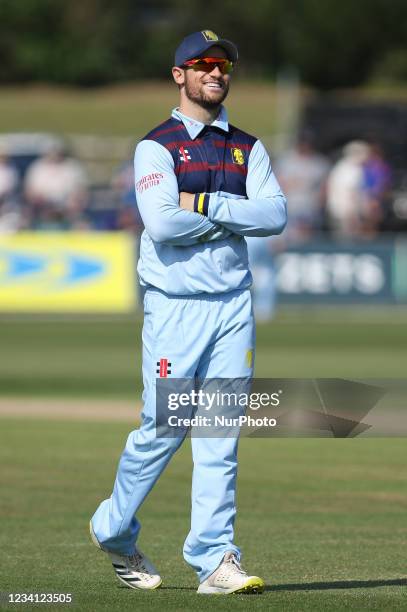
(235,168)
(177,144)
(204,166)
(232,145)
(220,144)
(174,128)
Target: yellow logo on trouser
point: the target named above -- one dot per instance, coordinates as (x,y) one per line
(237,156)
(209,35)
(249,358)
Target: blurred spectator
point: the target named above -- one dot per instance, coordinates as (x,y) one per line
(56,192)
(346,191)
(377,178)
(261,267)
(11,218)
(8,177)
(302,173)
(123,183)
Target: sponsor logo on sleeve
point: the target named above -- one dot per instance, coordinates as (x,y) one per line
(149,180)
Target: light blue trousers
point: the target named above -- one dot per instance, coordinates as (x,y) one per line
(207,337)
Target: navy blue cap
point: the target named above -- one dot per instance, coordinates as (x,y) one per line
(197,43)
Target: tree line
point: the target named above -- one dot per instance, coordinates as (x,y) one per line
(96,42)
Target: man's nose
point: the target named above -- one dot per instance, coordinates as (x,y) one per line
(216,71)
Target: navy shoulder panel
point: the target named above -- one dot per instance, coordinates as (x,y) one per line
(241,136)
(166,132)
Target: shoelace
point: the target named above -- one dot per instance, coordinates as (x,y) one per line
(136,563)
(235,565)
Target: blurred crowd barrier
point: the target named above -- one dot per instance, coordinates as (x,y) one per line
(68,272)
(95,272)
(69,226)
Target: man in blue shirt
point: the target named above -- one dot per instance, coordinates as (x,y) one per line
(202,185)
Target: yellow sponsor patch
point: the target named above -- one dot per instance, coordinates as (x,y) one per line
(249,358)
(237,156)
(209,35)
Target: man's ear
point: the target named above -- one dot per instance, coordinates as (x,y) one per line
(178,75)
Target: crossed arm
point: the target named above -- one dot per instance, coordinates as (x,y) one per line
(170,217)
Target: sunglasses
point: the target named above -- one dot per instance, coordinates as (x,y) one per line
(207,64)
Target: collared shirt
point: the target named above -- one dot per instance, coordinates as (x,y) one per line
(195,127)
(183,252)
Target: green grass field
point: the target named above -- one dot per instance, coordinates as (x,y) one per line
(322,520)
(132,109)
(103,358)
(129,110)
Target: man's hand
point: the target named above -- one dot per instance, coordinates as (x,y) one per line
(186,200)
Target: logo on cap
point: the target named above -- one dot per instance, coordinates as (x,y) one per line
(209,35)
(237,156)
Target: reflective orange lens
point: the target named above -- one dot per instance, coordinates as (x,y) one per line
(207,64)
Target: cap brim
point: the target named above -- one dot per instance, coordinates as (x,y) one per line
(229,48)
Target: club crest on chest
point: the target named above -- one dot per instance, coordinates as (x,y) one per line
(237,156)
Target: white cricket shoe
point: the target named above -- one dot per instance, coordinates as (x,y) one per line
(230,578)
(135,571)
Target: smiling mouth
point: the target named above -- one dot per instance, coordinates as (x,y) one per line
(214,85)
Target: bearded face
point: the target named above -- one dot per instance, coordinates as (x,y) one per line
(206,89)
